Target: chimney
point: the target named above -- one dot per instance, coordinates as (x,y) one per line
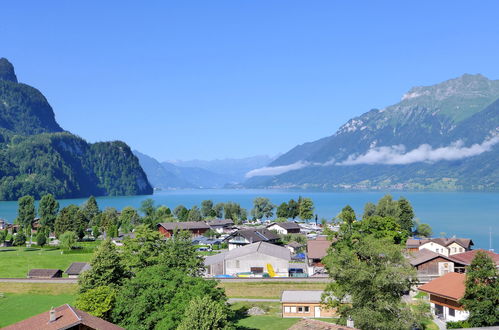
(52,315)
(350,322)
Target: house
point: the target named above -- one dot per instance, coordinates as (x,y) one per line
(44,273)
(466,258)
(285,228)
(221,225)
(304,303)
(431,265)
(249,236)
(76,268)
(253,258)
(444,246)
(196,228)
(63,317)
(294,247)
(316,250)
(202,240)
(118,241)
(445,293)
(308,324)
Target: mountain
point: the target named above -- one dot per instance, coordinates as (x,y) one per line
(37,156)
(440,137)
(234,169)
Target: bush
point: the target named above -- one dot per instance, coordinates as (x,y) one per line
(41,239)
(68,240)
(19,239)
(458,325)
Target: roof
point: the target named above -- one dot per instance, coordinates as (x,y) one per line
(467,257)
(221,222)
(450,285)
(285,225)
(294,244)
(301,296)
(187,225)
(76,268)
(260,247)
(43,272)
(256,235)
(425,255)
(66,317)
(317,249)
(309,324)
(416,243)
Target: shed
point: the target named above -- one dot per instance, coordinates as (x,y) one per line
(304,303)
(76,268)
(44,273)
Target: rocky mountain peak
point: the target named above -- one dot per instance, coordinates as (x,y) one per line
(7,70)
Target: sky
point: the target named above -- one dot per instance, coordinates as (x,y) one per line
(181,80)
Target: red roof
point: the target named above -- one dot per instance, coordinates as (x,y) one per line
(451,285)
(65,317)
(317,249)
(467,257)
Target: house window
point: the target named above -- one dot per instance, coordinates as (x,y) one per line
(237,264)
(461,249)
(306,309)
(300,309)
(452,312)
(287,309)
(293,309)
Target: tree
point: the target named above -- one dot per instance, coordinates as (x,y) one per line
(106,269)
(374,274)
(41,239)
(68,240)
(293,209)
(282,210)
(306,209)
(194,214)
(128,218)
(96,232)
(162,213)
(67,220)
(48,209)
(109,218)
(26,213)
(91,211)
(207,208)
(179,253)
(205,313)
(181,212)
(158,296)
(3,235)
(386,227)
(262,207)
(387,207)
(481,296)
(369,210)
(98,301)
(147,207)
(406,216)
(347,215)
(144,250)
(424,230)
(19,239)
(219,210)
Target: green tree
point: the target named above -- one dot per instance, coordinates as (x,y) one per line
(373,275)
(207,208)
(158,296)
(144,250)
(481,296)
(106,269)
(26,213)
(109,217)
(19,239)
(369,210)
(41,239)
(128,218)
(306,209)
(162,213)
(293,209)
(347,215)
(3,235)
(387,207)
(219,210)
(68,240)
(205,313)
(262,207)
(179,253)
(67,220)
(98,301)
(147,207)
(181,212)
(91,211)
(48,209)
(424,230)
(406,216)
(283,210)
(96,232)
(194,214)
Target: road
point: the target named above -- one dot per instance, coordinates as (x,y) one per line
(233,300)
(37,280)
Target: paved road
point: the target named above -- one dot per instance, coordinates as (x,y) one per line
(232,300)
(36,280)
(278,279)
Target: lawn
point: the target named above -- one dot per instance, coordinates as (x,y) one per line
(272,290)
(17,261)
(23,300)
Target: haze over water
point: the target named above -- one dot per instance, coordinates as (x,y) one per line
(469,215)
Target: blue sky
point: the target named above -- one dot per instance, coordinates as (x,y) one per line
(215,79)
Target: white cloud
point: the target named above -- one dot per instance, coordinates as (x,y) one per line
(276,170)
(397,155)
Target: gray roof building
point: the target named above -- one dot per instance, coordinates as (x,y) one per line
(76,268)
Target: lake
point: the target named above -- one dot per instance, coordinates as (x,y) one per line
(469,215)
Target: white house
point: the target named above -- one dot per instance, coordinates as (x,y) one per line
(221,225)
(443,246)
(254,258)
(445,293)
(284,228)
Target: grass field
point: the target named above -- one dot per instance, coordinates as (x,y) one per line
(17,261)
(271,290)
(23,300)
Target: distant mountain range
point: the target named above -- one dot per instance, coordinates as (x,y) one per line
(198,173)
(37,156)
(441,137)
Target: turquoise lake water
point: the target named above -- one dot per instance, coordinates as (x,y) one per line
(469,215)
